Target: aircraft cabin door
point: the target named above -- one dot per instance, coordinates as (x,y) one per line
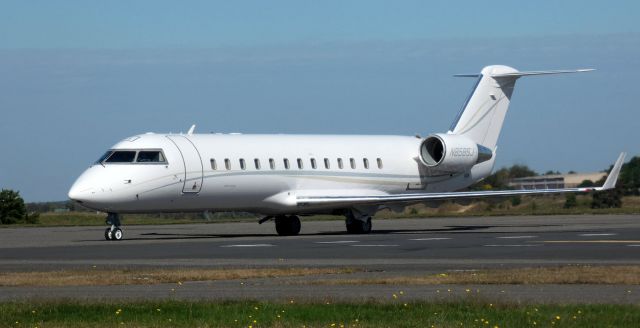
(192,164)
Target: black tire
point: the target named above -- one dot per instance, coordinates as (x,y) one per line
(352,227)
(117,234)
(288,225)
(295,225)
(107,234)
(366,226)
(359,227)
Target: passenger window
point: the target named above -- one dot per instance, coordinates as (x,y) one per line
(300,166)
(147,156)
(214,166)
(257,163)
(121,156)
(243,165)
(326,163)
(227,164)
(313,163)
(352,162)
(272,164)
(365,161)
(379,160)
(340,166)
(286,163)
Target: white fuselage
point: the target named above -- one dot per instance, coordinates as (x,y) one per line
(224,172)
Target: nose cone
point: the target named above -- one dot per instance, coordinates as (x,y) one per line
(80,191)
(84,188)
(94,189)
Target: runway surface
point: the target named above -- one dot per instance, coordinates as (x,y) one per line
(396,247)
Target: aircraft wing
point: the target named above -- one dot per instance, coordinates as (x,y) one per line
(610,183)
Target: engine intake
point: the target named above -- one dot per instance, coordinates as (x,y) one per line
(450,153)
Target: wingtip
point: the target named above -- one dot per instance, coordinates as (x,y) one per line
(191,129)
(612,178)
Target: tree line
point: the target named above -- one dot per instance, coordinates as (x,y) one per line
(628,183)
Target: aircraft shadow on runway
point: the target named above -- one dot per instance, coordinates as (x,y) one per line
(447,229)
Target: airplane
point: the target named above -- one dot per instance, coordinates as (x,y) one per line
(282,177)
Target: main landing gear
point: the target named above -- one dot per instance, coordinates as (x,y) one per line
(113,232)
(287,225)
(358,223)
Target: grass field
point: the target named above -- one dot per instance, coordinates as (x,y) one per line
(106,277)
(326,314)
(577,274)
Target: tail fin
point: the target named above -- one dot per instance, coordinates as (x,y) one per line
(483,113)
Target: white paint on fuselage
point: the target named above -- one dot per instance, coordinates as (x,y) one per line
(159,187)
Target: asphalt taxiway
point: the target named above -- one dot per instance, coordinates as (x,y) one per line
(403,243)
(396,247)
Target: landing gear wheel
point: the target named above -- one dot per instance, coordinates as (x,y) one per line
(113,232)
(107,234)
(288,225)
(117,234)
(355,226)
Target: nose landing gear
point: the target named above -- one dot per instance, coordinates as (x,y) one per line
(113,232)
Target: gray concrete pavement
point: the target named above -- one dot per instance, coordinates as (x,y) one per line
(397,247)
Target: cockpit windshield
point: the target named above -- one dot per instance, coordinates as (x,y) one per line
(150,156)
(121,156)
(141,156)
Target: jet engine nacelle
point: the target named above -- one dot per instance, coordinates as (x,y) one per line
(451,153)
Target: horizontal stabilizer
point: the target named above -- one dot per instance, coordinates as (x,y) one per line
(467,75)
(529,73)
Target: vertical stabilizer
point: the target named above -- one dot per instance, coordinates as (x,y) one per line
(482,115)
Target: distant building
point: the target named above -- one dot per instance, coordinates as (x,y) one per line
(554,181)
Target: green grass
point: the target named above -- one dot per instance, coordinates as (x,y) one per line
(51,219)
(260,314)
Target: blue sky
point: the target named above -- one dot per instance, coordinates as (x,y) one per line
(77,76)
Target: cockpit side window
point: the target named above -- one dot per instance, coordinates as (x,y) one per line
(103,157)
(150,156)
(121,156)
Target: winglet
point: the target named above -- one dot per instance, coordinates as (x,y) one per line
(191,129)
(612,178)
